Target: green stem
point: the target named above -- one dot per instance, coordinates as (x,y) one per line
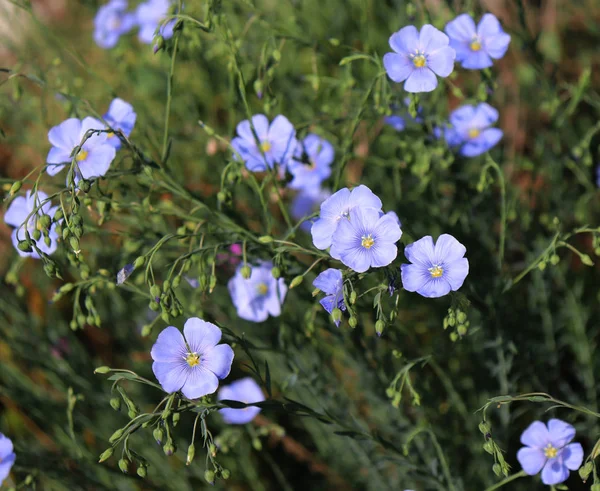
(443,461)
(498,485)
(496,167)
(169,98)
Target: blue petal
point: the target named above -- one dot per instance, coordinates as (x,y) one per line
(476,60)
(536,435)
(496,46)
(169,346)
(531,459)
(171,375)
(486,140)
(441,62)
(363,197)
(456,272)
(66,134)
(199,383)
(437,287)
(560,432)
(244,390)
(6,447)
(554,472)
(261,125)
(421,80)
(421,251)
(448,249)
(414,277)
(383,254)
(572,456)
(201,336)
(218,360)
(396,122)
(462,28)
(405,41)
(398,67)
(432,39)
(489,25)
(329,281)
(17,212)
(98,161)
(5,467)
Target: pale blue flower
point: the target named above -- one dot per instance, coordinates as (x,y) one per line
(111,22)
(94,157)
(476,46)
(548,449)
(471,130)
(260,295)
(366,239)
(418,57)
(150,15)
(276,142)
(312,163)
(121,117)
(193,364)
(338,206)
(245,390)
(436,269)
(331,282)
(306,203)
(7,457)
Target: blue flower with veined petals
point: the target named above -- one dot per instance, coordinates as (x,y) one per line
(476,46)
(548,449)
(16,216)
(120,116)
(436,269)
(260,295)
(193,364)
(94,157)
(470,129)
(276,142)
(419,57)
(306,203)
(366,239)
(319,154)
(7,457)
(331,282)
(111,22)
(149,16)
(338,206)
(245,390)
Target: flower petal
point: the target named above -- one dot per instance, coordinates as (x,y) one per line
(329,281)
(462,28)
(560,432)
(169,346)
(98,162)
(496,46)
(66,134)
(6,447)
(476,60)
(405,41)
(536,435)
(322,231)
(261,125)
(437,287)
(57,155)
(489,25)
(398,67)
(554,472)
(361,196)
(531,459)
(200,335)
(441,61)
(218,360)
(421,80)
(456,272)
(481,144)
(432,39)
(414,277)
(572,456)
(448,249)
(383,254)
(421,252)
(200,382)
(171,375)
(5,466)
(17,212)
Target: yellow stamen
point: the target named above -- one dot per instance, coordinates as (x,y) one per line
(262,288)
(367,241)
(419,61)
(82,155)
(475,45)
(192,359)
(436,271)
(110,135)
(550,452)
(265,146)
(474,133)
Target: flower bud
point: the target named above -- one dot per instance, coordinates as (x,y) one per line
(106,454)
(141,471)
(587,260)
(146,330)
(166,286)
(225,474)
(123,465)
(190,454)
(276,272)
(116,435)
(265,239)
(461,317)
(158,435)
(139,262)
(176,417)
(296,281)
(497,469)
(209,476)
(379,326)
(102,369)
(74,243)
(353,322)
(336,315)
(115,403)
(36,234)
(461,330)
(169,449)
(14,189)
(484,427)
(58,216)
(489,447)
(25,246)
(353,297)
(45,221)
(246,271)
(586,470)
(155,291)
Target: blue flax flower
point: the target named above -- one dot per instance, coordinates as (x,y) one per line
(149,16)
(7,457)
(193,364)
(330,281)
(306,203)
(471,130)
(260,295)
(276,142)
(319,155)
(418,57)
(245,390)
(95,156)
(338,206)
(435,269)
(366,239)
(16,216)
(111,22)
(121,117)
(476,46)
(547,449)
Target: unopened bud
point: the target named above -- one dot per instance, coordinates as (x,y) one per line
(106,454)
(139,262)
(123,465)
(116,435)
(296,281)
(336,315)
(141,471)
(209,476)
(25,246)
(461,317)
(225,474)
(102,369)
(169,449)
(489,447)
(276,272)
(587,260)
(497,469)
(190,454)
(115,403)
(353,297)
(59,215)
(353,322)
(14,189)
(158,435)
(586,470)
(265,239)
(176,417)
(379,326)
(246,271)
(484,427)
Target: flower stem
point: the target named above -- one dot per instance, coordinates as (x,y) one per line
(498,485)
